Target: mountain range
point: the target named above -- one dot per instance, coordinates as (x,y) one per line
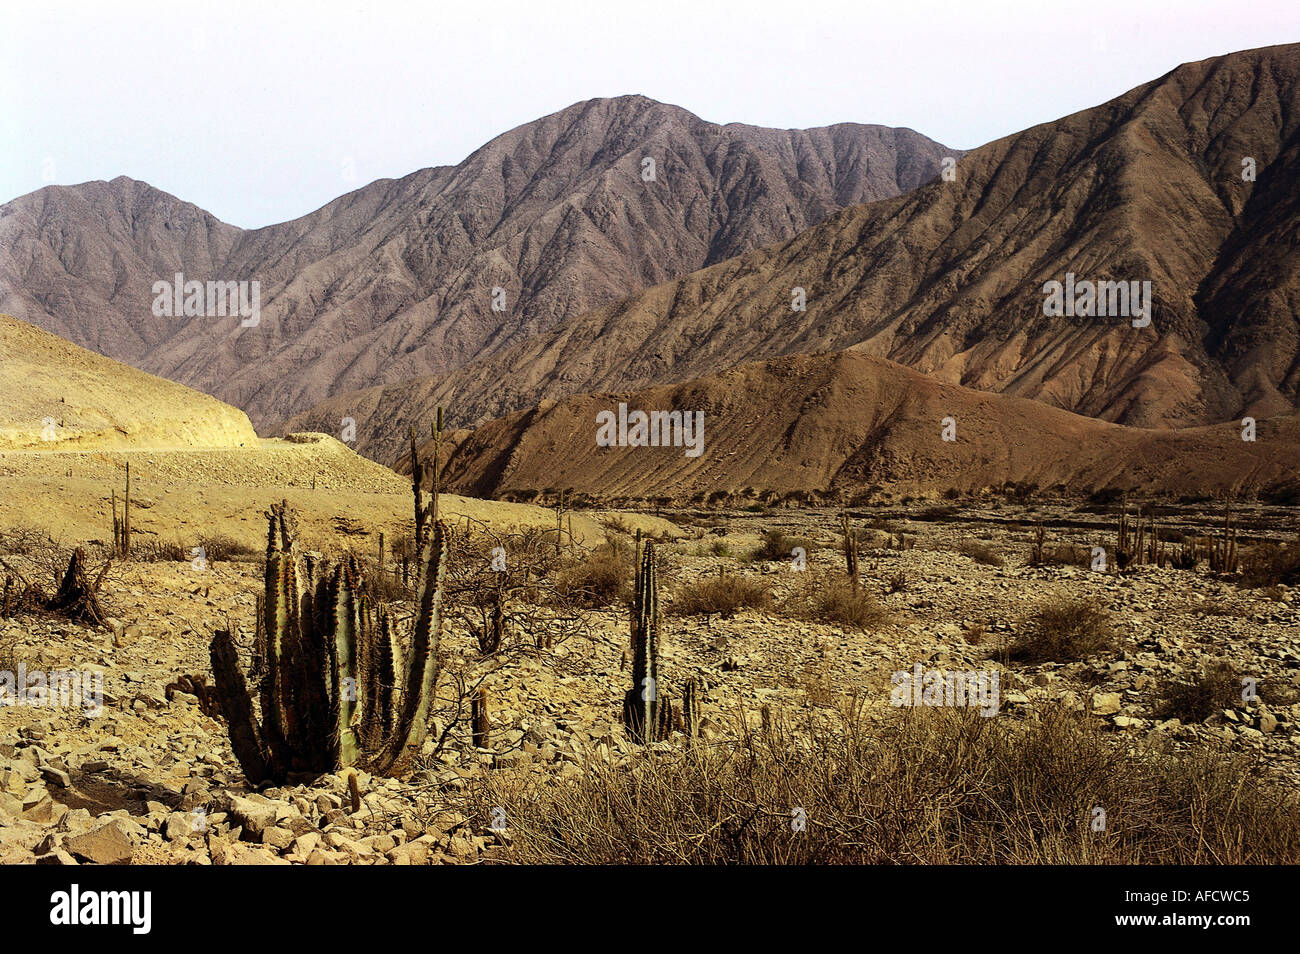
(624,246)
(949,279)
(396,280)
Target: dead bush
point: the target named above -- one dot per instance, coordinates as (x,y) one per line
(1216,687)
(223,548)
(778,546)
(980,551)
(601,577)
(934,787)
(1063,630)
(722,595)
(833,599)
(1270,564)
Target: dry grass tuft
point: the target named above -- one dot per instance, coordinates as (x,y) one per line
(832,599)
(937,787)
(1064,630)
(722,595)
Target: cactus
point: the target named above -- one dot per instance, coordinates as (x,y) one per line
(437,461)
(493,633)
(1038,549)
(421,511)
(1157,552)
(1128,546)
(122,525)
(691,710)
(646,713)
(559,522)
(850,549)
(482,731)
(1187,557)
(1223,551)
(333,692)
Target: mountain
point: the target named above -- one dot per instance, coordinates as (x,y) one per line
(949,279)
(832,423)
(56,396)
(396,280)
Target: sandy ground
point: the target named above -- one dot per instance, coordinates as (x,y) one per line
(182,495)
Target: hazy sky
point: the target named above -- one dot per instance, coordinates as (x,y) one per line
(263,111)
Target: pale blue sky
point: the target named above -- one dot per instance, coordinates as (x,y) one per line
(263,111)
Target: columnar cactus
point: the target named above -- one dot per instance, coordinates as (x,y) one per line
(691,710)
(1223,551)
(850,549)
(333,691)
(421,511)
(122,525)
(646,713)
(482,722)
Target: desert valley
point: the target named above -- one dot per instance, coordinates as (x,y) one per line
(643,490)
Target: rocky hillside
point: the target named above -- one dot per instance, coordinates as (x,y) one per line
(396,280)
(844,422)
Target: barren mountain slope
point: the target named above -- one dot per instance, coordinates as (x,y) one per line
(396,279)
(831,422)
(949,279)
(57,396)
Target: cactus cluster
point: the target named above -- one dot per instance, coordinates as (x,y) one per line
(334,687)
(647,713)
(1145,544)
(1223,550)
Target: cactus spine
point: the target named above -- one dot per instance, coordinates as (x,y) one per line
(326,689)
(647,715)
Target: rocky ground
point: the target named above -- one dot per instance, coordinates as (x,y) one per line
(151,778)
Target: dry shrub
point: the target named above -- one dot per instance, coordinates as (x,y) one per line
(778,546)
(722,595)
(153,550)
(618,523)
(981,552)
(1216,687)
(384,585)
(223,548)
(1270,564)
(24,540)
(1209,608)
(1066,554)
(833,599)
(1278,691)
(601,577)
(1064,630)
(935,787)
